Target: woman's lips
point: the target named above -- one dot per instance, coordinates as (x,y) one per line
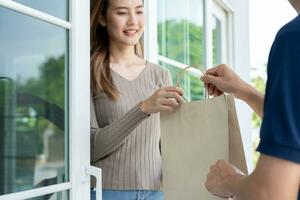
(130,33)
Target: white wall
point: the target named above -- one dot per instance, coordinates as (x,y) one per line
(241,60)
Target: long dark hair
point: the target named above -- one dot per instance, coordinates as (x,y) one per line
(101,79)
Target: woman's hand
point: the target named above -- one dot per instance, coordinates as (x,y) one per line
(164,99)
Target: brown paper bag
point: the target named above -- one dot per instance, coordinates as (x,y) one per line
(192,139)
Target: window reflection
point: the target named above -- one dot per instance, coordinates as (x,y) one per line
(33,109)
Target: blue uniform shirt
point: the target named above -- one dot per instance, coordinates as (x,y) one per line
(280,131)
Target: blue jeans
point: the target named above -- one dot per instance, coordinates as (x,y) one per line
(129,195)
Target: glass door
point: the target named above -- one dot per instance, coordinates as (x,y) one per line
(41,57)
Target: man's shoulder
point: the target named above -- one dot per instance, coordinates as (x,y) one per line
(291,27)
(288,37)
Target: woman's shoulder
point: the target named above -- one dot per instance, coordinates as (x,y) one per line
(161,74)
(156,68)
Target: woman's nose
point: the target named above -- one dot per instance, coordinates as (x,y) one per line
(132,19)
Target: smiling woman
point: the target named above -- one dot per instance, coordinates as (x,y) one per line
(128,93)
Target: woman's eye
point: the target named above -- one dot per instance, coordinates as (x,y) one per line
(121,13)
(140,12)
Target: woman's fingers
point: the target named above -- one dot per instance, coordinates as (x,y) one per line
(167,108)
(173,95)
(174,89)
(170,102)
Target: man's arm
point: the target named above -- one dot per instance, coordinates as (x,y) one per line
(254,99)
(273,179)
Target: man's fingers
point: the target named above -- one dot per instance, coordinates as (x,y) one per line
(217,92)
(220,92)
(211,79)
(211,90)
(216,70)
(213,70)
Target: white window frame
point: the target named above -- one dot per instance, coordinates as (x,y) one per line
(221,15)
(79,115)
(213,7)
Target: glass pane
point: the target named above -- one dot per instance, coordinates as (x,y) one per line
(33,108)
(57,8)
(56,196)
(196,87)
(217,45)
(180,30)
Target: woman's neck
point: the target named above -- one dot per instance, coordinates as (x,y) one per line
(124,55)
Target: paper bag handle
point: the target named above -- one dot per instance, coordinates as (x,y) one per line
(180,74)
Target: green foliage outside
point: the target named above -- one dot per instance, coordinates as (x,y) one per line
(183,41)
(49,86)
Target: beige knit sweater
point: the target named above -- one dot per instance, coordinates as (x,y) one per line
(125,141)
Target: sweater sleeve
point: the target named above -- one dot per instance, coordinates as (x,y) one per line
(105,140)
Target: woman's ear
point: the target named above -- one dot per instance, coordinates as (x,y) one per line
(102,20)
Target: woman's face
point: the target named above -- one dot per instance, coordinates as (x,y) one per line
(124,21)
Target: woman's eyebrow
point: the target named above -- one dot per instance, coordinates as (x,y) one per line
(119,8)
(122,7)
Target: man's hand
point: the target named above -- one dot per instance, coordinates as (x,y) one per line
(273,178)
(220,175)
(222,79)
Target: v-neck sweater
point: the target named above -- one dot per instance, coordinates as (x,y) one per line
(124,140)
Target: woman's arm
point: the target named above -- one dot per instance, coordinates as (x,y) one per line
(105,140)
